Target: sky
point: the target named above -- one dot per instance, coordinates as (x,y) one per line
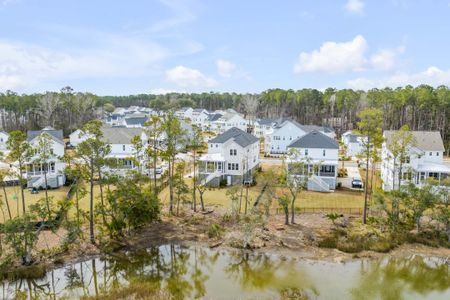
(159,46)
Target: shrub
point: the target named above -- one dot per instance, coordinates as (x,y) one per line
(223,183)
(328,242)
(215,231)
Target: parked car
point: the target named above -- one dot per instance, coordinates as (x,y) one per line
(158,170)
(357,183)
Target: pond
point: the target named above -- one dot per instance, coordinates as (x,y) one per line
(199,272)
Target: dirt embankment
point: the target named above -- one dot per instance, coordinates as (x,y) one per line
(298,240)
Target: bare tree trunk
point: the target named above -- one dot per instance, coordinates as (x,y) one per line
(6,200)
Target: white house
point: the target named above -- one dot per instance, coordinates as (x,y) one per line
(284,131)
(263,126)
(4,136)
(184,113)
(116,117)
(354,143)
(229,120)
(76,137)
(199,117)
(53,167)
(424,160)
(122,149)
(211,123)
(232,156)
(319,154)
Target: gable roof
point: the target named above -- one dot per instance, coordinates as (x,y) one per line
(241,137)
(57,135)
(314,139)
(424,140)
(120,135)
(214,117)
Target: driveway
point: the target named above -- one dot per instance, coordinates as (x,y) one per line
(353,172)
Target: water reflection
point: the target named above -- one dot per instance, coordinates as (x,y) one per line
(196,272)
(398,278)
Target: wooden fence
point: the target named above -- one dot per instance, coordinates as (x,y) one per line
(325,210)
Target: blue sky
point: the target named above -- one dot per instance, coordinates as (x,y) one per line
(129,47)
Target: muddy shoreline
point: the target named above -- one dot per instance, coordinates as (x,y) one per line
(296,241)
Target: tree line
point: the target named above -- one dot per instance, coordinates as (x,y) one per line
(421,108)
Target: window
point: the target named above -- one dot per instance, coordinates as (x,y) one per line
(306,152)
(123,147)
(237,167)
(437,153)
(229,166)
(324,152)
(431,153)
(217,145)
(233,152)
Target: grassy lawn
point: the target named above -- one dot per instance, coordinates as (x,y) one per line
(15,198)
(306,199)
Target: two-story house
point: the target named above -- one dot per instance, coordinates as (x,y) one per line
(424,160)
(53,167)
(184,113)
(199,117)
(284,131)
(232,156)
(354,144)
(229,120)
(122,149)
(318,154)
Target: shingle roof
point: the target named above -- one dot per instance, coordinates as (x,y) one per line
(241,137)
(214,117)
(424,140)
(56,134)
(314,139)
(120,135)
(136,121)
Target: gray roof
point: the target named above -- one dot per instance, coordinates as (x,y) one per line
(314,139)
(56,134)
(241,137)
(424,140)
(136,121)
(198,110)
(119,135)
(214,117)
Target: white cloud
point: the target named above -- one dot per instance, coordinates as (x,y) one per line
(431,76)
(225,68)
(25,65)
(384,59)
(333,57)
(187,77)
(355,7)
